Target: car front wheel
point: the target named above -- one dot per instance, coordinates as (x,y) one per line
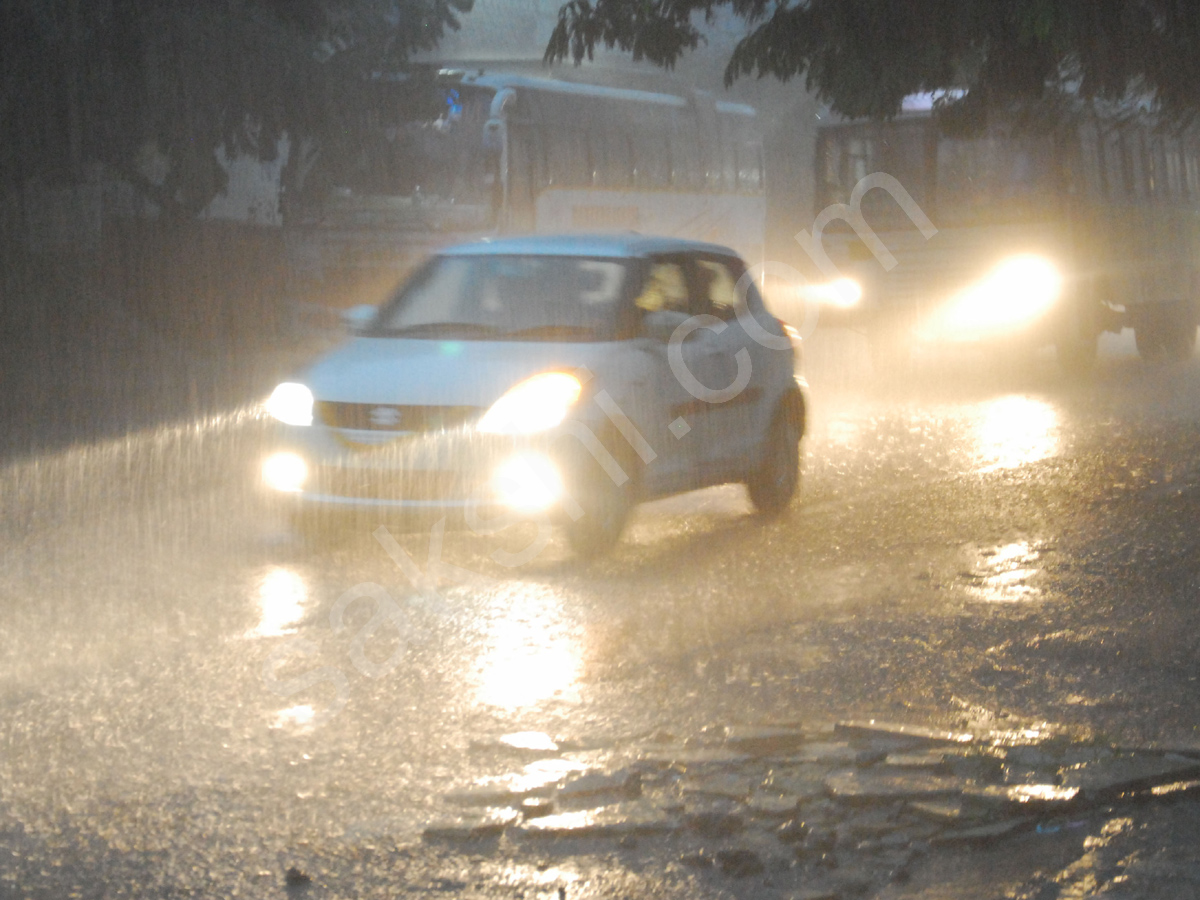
(596,532)
(603,505)
(776,479)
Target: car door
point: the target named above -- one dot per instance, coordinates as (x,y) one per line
(677,427)
(722,373)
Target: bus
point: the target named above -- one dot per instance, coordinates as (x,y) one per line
(452,156)
(1035,231)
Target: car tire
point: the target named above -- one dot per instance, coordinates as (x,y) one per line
(776,479)
(1178,337)
(604,504)
(598,530)
(1167,332)
(1179,344)
(1077,354)
(1147,339)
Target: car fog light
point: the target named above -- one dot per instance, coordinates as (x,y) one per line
(528,483)
(284,472)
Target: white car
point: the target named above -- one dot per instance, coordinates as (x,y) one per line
(573,376)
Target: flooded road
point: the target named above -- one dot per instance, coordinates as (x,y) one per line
(196,702)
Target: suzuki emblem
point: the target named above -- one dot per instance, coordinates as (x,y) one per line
(385,417)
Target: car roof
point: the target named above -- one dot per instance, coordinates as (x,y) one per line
(626,244)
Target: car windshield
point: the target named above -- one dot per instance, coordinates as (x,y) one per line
(539,298)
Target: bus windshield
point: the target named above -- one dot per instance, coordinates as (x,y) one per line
(414,157)
(848,154)
(993,176)
(994,173)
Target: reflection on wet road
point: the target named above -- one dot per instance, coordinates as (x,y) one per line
(1014,431)
(527,652)
(282,594)
(969,550)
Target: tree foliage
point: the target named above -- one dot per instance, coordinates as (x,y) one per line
(862,57)
(105,82)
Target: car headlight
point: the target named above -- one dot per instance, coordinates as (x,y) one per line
(536,404)
(1015,293)
(291,403)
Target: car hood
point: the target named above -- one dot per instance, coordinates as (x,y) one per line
(407,371)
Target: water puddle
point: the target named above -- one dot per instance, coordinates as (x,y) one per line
(1003,574)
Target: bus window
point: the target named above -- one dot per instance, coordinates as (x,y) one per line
(730,128)
(612,153)
(651,156)
(618,149)
(1192,171)
(566,148)
(1114,166)
(749,168)
(1132,169)
(1155,176)
(566,156)
(1090,177)
(687,169)
(846,157)
(594,141)
(857,163)
(522,143)
(1174,168)
(851,154)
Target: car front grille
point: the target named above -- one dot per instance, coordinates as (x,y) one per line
(390,417)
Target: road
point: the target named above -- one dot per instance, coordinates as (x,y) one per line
(195,702)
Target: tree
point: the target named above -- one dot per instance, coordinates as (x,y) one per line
(126,83)
(862,57)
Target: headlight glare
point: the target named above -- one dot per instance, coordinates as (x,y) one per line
(528,483)
(844,293)
(291,403)
(536,404)
(285,472)
(1013,294)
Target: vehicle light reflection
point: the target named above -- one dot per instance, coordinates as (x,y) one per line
(294,717)
(531,654)
(282,595)
(1015,431)
(1003,574)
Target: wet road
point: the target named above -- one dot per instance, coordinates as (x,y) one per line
(194,701)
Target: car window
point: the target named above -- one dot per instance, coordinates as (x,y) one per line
(665,288)
(715,286)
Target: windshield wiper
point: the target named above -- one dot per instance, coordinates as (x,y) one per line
(440,329)
(552,331)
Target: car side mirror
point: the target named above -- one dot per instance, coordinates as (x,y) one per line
(661,324)
(357,318)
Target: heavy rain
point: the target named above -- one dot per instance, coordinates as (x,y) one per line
(318,581)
